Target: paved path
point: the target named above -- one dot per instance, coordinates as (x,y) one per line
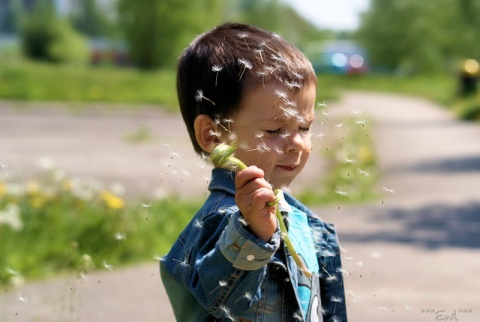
(413,250)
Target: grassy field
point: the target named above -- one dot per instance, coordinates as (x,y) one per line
(24,80)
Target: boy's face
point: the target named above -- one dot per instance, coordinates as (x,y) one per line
(272,128)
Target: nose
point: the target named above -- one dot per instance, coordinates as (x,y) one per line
(297,142)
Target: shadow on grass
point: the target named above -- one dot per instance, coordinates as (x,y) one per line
(431,226)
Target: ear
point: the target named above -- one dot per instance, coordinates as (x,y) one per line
(205,130)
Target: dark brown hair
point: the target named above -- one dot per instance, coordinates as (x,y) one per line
(215,68)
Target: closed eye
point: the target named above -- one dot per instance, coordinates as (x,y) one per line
(273,132)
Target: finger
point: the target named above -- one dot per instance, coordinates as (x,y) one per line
(245,176)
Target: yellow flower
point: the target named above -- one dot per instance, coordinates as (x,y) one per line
(3,189)
(37,201)
(111,200)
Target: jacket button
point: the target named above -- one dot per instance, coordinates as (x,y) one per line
(250,258)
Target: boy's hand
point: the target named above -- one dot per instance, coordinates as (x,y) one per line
(253,194)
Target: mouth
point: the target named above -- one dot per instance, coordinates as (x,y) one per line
(290,168)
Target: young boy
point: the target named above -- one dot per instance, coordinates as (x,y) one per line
(241,85)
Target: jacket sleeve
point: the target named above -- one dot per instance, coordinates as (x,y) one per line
(221,263)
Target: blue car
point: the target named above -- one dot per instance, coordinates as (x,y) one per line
(339,57)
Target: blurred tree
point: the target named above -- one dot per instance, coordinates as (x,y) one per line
(157,30)
(418,36)
(44,36)
(90,20)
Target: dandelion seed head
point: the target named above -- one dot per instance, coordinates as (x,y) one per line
(243,221)
(278,150)
(245,62)
(336,299)
(297,316)
(338,125)
(198,224)
(217,68)
(248,295)
(285,135)
(390,190)
(281,94)
(107,266)
(120,236)
(363,172)
(22,298)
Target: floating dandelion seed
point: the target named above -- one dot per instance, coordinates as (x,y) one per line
(262,74)
(22,298)
(246,64)
(390,190)
(336,299)
(199,97)
(119,236)
(243,221)
(285,135)
(244,36)
(4,167)
(260,53)
(222,283)
(293,85)
(298,75)
(349,161)
(341,192)
(145,205)
(356,298)
(107,266)
(281,94)
(297,316)
(278,150)
(363,172)
(226,311)
(322,104)
(157,257)
(198,224)
(279,58)
(338,125)
(183,263)
(216,69)
(360,122)
(248,295)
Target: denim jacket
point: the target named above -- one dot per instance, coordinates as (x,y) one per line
(218,270)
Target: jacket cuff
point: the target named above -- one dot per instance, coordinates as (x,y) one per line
(243,249)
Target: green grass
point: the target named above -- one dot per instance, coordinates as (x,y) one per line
(52,225)
(31,81)
(438,88)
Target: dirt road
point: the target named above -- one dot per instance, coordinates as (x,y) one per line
(412,255)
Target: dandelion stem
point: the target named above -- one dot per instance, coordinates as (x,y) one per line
(222,156)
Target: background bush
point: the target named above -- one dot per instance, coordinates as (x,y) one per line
(48,38)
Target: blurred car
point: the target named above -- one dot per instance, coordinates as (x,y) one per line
(339,57)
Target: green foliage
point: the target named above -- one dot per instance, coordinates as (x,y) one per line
(468,109)
(59,224)
(46,37)
(411,36)
(93,20)
(157,30)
